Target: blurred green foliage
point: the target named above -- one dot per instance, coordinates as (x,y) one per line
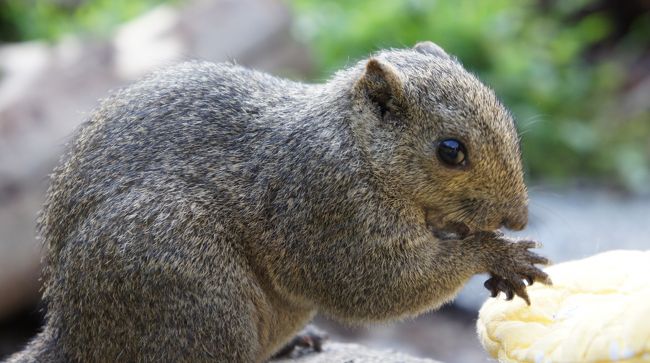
(575,116)
(569,109)
(50,19)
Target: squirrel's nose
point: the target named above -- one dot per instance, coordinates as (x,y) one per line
(516,220)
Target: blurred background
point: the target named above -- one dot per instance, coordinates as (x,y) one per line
(575,73)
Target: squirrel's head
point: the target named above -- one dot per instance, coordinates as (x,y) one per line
(433,133)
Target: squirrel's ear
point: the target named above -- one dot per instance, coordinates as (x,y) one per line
(381,84)
(430,48)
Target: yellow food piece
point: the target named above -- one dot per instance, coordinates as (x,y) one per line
(598,310)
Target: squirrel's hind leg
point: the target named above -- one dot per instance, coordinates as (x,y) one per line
(310,339)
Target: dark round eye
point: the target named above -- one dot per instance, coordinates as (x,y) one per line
(452,152)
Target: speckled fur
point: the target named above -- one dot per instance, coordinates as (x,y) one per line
(208,211)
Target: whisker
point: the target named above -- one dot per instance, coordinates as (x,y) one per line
(528,125)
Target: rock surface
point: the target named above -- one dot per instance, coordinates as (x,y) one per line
(447,335)
(353,353)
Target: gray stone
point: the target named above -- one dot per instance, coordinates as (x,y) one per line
(447,335)
(353,353)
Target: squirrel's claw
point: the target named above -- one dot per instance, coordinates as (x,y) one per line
(496,284)
(491,285)
(514,263)
(529,280)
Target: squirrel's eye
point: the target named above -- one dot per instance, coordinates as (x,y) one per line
(452,152)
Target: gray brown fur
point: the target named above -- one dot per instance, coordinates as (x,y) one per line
(207,212)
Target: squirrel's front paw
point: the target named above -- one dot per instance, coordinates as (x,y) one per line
(511,265)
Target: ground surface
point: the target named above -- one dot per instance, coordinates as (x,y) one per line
(335,352)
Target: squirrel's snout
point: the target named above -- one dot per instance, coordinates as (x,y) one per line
(516,220)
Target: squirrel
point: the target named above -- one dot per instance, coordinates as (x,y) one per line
(207,212)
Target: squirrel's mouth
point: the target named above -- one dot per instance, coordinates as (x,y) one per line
(450,231)
(446,230)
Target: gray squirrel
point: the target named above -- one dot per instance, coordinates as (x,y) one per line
(207,212)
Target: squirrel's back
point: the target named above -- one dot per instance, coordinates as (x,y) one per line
(196,132)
